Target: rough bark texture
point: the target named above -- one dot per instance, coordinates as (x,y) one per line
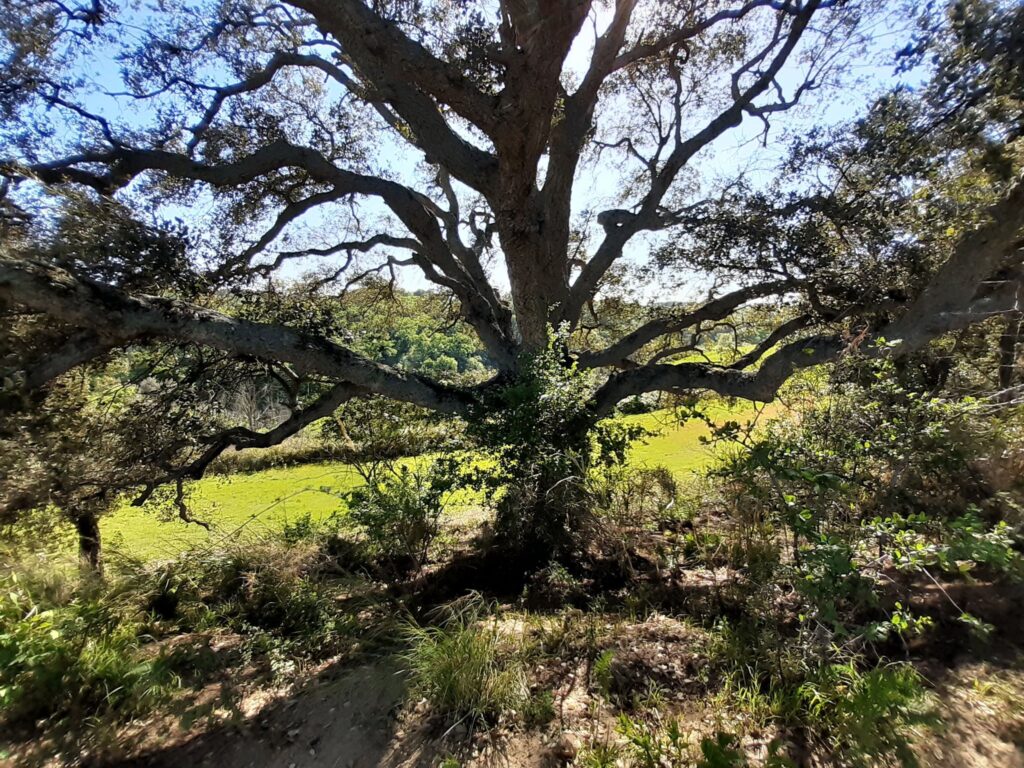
(89,550)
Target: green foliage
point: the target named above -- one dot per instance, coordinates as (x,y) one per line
(859,712)
(535,433)
(540,709)
(600,755)
(89,652)
(372,429)
(863,714)
(878,474)
(256,588)
(959,546)
(399,510)
(635,497)
(464,666)
(872,445)
(601,672)
(652,745)
(553,587)
(544,449)
(74,658)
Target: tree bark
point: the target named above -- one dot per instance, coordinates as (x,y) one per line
(89,550)
(1008,343)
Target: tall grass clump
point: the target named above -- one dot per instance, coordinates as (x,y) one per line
(465,667)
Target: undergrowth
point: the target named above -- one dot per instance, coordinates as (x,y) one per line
(466,667)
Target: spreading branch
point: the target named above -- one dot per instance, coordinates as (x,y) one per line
(120,318)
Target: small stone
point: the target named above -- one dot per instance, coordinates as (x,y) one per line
(567,747)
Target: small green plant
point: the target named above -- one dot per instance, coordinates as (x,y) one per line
(552,587)
(399,510)
(303,528)
(540,709)
(80,659)
(721,752)
(601,671)
(653,745)
(600,755)
(464,666)
(864,714)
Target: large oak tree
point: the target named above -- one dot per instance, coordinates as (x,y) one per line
(462,140)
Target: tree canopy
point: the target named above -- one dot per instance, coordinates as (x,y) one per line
(166,166)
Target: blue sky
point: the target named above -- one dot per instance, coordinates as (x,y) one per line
(745,150)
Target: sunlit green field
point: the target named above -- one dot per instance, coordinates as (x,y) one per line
(241,505)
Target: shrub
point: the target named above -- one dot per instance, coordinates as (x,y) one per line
(399,510)
(600,755)
(540,709)
(77,660)
(863,715)
(552,587)
(653,745)
(636,498)
(465,668)
(264,589)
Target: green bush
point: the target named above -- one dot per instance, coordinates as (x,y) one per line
(465,667)
(652,745)
(540,709)
(399,511)
(260,585)
(863,715)
(89,652)
(81,659)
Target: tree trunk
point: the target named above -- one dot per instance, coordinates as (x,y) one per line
(543,516)
(1008,342)
(89,552)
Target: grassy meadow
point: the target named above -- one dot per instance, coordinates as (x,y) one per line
(247,504)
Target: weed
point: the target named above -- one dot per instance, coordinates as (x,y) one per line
(601,671)
(651,745)
(540,709)
(602,755)
(465,668)
(79,659)
(399,510)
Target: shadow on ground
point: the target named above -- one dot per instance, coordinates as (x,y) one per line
(344,721)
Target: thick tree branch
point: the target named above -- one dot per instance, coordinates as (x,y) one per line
(760,385)
(649,214)
(783,331)
(241,438)
(122,318)
(413,81)
(975,259)
(618,353)
(81,348)
(960,294)
(414,210)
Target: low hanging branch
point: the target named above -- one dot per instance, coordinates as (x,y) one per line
(958,295)
(503,115)
(119,318)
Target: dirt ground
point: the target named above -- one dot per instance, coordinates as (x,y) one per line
(359,715)
(356,720)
